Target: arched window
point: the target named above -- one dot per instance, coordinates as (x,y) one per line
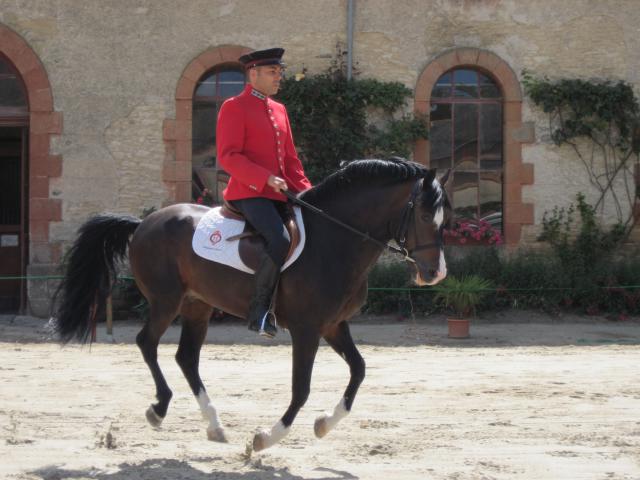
(212,89)
(13,101)
(466,135)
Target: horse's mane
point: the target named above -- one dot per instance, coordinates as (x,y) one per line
(376,172)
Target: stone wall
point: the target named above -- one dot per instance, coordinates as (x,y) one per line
(114,68)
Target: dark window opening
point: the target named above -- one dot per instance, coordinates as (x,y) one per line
(211,91)
(466,135)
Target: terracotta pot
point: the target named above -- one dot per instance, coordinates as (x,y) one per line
(458,327)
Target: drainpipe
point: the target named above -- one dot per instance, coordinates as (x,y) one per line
(350,7)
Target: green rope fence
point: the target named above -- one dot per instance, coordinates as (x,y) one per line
(371,289)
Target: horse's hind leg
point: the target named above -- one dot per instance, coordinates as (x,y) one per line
(161,314)
(305,346)
(341,341)
(195,321)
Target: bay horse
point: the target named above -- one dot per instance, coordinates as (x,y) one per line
(317,294)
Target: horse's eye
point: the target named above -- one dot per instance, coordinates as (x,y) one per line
(427,217)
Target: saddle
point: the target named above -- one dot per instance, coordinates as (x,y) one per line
(251,244)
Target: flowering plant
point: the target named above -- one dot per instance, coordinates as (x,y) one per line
(205,198)
(479,230)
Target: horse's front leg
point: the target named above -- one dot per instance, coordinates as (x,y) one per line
(305,347)
(340,340)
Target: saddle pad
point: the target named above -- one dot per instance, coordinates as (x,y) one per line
(210,239)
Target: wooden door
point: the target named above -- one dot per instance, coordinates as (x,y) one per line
(12,217)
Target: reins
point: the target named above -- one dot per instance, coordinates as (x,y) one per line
(402,230)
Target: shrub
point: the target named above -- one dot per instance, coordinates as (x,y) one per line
(462,294)
(391,275)
(331,119)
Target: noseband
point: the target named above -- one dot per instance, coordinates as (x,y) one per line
(403,229)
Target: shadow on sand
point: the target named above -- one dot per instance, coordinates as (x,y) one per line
(165,469)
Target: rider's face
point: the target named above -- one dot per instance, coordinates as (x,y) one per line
(266,79)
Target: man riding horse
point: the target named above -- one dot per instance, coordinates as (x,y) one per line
(255,146)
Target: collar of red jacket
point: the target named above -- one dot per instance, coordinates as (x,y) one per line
(252,92)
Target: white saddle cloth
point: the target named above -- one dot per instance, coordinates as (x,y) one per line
(213,230)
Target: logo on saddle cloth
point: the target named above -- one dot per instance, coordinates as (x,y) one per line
(215,237)
(223,237)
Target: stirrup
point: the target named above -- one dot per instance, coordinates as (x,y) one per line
(266,329)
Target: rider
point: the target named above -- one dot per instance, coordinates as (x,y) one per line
(255,146)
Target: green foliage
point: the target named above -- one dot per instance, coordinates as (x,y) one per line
(462,294)
(330,118)
(588,108)
(582,249)
(391,275)
(605,116)
(535,279)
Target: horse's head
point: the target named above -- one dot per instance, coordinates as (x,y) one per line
(424,226)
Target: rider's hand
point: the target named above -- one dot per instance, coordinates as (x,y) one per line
(277,183)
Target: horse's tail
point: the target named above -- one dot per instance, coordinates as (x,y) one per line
(90,272)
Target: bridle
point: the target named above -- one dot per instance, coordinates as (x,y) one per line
(401,235)
(403,229)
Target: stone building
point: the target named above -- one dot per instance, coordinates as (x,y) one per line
(105,105)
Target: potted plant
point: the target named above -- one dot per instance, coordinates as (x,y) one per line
(461,295)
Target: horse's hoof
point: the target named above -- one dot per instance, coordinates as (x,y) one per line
(320,427)
(153,418)
(260,440)
(216,435)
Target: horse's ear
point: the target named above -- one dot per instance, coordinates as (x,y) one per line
(428,178)
(447,179)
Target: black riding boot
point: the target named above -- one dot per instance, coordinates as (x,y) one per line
(266,279)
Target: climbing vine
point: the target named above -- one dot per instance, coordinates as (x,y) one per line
(607,116)
(335,119)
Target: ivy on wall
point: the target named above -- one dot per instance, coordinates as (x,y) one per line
(335,119)
(607,116)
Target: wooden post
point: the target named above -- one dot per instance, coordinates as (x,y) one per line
(109,316)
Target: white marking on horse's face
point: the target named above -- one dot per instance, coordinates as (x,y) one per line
(438,218)
(441,273)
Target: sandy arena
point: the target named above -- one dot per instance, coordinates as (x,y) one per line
(537,398)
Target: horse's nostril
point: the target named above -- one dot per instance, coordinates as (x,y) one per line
(432,272)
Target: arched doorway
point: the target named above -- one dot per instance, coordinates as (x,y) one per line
(14,124)
(37,123)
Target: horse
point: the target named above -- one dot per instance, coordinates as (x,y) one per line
(316,295)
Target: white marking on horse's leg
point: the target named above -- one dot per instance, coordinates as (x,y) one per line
(153,418)
(325,422)
(267,438)
(215,430)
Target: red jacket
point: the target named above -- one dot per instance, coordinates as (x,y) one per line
(253,141)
